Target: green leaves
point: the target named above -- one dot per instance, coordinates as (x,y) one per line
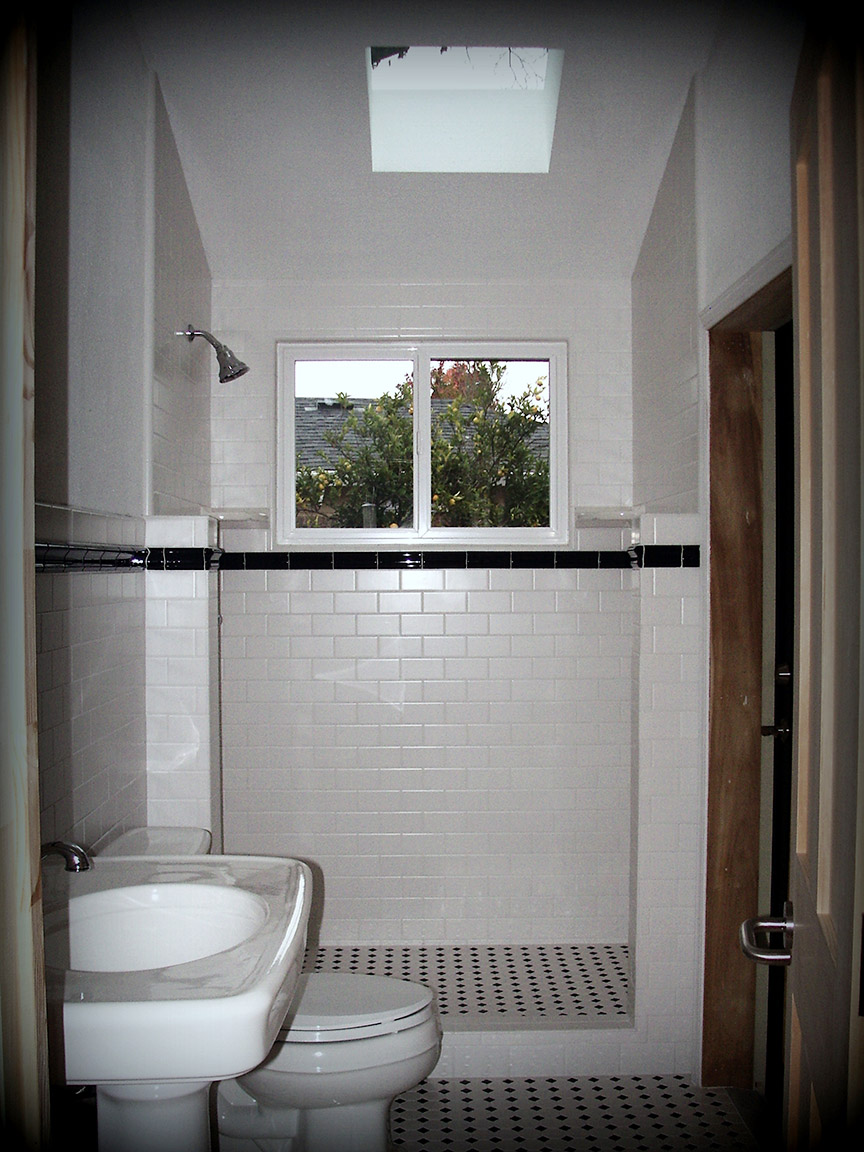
(489,456)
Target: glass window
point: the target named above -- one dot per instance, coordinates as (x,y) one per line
(368,458)
(490,443)
(354,443)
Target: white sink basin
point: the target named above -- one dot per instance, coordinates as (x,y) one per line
(171,968)
(152,926)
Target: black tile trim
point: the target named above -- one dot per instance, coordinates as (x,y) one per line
(183,559)
(640,556)
(81,558)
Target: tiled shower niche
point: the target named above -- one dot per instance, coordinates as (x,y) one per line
(453,749)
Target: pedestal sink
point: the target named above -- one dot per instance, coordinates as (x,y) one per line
(165,974)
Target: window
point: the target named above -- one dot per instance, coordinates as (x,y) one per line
(369,458)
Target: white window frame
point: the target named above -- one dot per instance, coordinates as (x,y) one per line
(423,535)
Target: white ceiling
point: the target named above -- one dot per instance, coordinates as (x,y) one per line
(267,100)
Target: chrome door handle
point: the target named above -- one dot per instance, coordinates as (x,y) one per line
(766,925)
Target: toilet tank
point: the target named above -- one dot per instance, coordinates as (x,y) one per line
(159,841)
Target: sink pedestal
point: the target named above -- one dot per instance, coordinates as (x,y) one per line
(142,1117)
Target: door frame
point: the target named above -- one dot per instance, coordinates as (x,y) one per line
(735,681)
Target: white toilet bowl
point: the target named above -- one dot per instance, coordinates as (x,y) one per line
(351,1044)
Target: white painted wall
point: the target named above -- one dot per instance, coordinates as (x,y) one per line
(183,372)
(110,266)
(112,645)
(666,391)
(743,171)
(135,398)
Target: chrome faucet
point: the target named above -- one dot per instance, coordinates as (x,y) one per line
(76,857)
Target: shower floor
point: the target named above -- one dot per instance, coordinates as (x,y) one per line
(497,986)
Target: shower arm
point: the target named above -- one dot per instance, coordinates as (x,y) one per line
(190,333)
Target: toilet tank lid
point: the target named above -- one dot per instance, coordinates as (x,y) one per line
(159,840)
(340,1000)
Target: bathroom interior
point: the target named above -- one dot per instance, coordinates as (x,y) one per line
(495,764)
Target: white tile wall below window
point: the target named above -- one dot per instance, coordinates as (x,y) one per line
(454,754)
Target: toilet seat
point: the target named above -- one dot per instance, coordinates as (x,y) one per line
(334,1006)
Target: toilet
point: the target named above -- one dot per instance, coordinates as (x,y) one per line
(349,1046)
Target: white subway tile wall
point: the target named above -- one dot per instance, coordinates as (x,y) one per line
(593,316)
(453,748)
(183,754)
(453,764)
(424,735)
(179,713)
(671,813)
(667,880)
(90,634)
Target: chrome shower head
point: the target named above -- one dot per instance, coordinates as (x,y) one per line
(229,366)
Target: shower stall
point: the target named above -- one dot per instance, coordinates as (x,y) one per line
(453,749)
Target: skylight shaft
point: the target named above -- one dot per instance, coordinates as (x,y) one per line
(462,109)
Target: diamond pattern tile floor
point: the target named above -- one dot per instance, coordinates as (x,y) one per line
(502,986)
(576,1114)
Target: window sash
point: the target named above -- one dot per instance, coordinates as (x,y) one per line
(422,354)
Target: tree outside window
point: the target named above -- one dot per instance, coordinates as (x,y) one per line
(440,443)
(489,454)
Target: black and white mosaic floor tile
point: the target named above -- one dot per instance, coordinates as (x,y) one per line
(578,1114)
(496,985)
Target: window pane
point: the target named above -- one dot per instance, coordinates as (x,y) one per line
(354,442)
(490,443)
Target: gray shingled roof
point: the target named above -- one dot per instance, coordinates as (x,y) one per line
(314,419)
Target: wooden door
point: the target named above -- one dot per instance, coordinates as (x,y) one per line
(822,1011)
(23,1040)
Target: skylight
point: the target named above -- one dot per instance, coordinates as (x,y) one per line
(461,109)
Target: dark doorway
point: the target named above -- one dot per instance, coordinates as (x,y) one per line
(784,630)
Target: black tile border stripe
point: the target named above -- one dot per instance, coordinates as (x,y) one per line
(90,558)
(640,556)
